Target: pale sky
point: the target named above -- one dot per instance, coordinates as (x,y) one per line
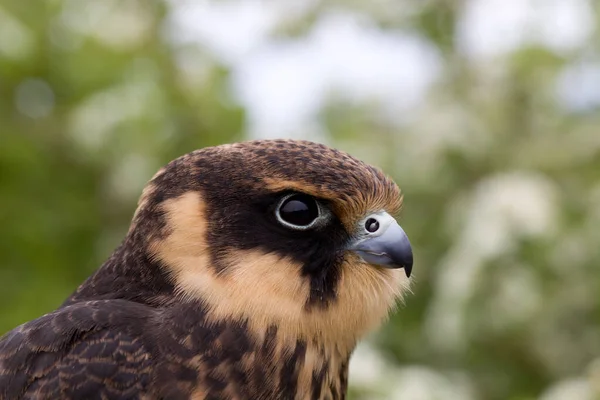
(284,83)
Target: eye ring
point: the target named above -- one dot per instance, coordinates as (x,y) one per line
(301,208)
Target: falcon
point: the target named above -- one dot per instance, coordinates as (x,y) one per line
(250,271)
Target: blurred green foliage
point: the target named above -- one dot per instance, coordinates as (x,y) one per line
(501,183)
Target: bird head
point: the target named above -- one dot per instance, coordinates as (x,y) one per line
(279,232)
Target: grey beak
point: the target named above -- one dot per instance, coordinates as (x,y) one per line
(391,249)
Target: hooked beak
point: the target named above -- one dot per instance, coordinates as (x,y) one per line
(390,249)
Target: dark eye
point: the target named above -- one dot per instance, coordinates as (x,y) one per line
(298,211)
(372,225)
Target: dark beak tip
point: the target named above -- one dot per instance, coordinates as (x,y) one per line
(408,265)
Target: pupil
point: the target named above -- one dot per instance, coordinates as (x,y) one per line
(299,210)
(372,225)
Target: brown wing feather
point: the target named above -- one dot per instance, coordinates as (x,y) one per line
(88,350)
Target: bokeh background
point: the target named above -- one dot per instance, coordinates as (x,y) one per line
(486,112)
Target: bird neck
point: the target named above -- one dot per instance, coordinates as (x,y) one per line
(317,370)
(274,364)
(129,274)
